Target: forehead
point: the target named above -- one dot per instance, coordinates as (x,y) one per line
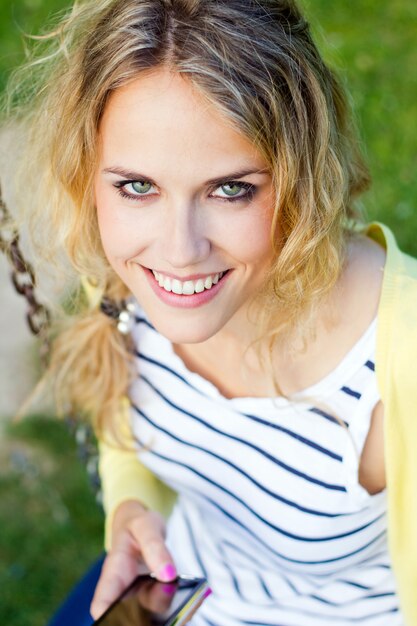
(161,117)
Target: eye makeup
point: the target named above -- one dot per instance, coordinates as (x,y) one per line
(249,190)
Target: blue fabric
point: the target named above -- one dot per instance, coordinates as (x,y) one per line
(76,608)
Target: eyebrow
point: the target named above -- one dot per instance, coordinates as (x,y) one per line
(130,175)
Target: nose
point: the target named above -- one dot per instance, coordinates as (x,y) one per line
(185,240)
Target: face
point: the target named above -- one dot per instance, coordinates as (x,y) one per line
(184,205)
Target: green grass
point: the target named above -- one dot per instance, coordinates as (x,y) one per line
(373,43)
(17,19)
(51,525)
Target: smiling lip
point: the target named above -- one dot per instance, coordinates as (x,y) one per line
(184,301)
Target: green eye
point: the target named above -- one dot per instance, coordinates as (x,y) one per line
(231,190)
(141,186)
(234,191)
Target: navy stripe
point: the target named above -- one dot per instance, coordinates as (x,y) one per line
(264,587)
(351,392)
(274,460)
(275,623)
(290,584)
(337,617)
(254,418)
(234,580)
(353,584)
(235,496)
(168,369)
(362,618)
(141,320)
(382,553)
(253,559)
(307,442)
(370,365)
(237,549)
(327,416)
(355,601)
(194,543)
(198,557)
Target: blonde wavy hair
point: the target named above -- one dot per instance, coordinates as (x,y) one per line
(256,61)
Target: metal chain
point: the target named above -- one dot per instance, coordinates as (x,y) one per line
(39,321)
(23,279)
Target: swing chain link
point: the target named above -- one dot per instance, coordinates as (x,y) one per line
(23,279)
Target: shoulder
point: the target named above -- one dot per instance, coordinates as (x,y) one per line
(361,282)
(366,260)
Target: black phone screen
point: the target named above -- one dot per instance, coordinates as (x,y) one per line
(148,602)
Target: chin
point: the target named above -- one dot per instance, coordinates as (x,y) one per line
(187,336)
(179,333)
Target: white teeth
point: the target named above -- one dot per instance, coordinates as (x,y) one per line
(176,287)
(189,287)
(199,286)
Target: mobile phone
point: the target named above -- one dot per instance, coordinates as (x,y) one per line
(149,602)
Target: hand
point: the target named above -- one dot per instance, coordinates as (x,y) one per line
(138,604)
(138,546)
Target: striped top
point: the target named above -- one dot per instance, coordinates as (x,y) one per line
(269,509)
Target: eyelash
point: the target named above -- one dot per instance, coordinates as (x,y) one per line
(248,187)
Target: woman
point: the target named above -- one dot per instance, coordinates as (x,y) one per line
(197,160)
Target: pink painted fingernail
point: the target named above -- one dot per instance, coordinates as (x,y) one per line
(169,589)
(167,572)
(207,593)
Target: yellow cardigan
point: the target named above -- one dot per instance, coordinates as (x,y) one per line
(125,478)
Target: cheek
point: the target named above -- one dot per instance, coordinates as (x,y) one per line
(120,236)
(249,240)
(104,222)
(105,219)
(111,233)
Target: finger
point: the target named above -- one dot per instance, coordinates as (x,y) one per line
(118,572)
(149,533)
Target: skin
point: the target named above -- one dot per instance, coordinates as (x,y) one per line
(162,127)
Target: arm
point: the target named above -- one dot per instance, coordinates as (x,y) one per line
(125,479)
